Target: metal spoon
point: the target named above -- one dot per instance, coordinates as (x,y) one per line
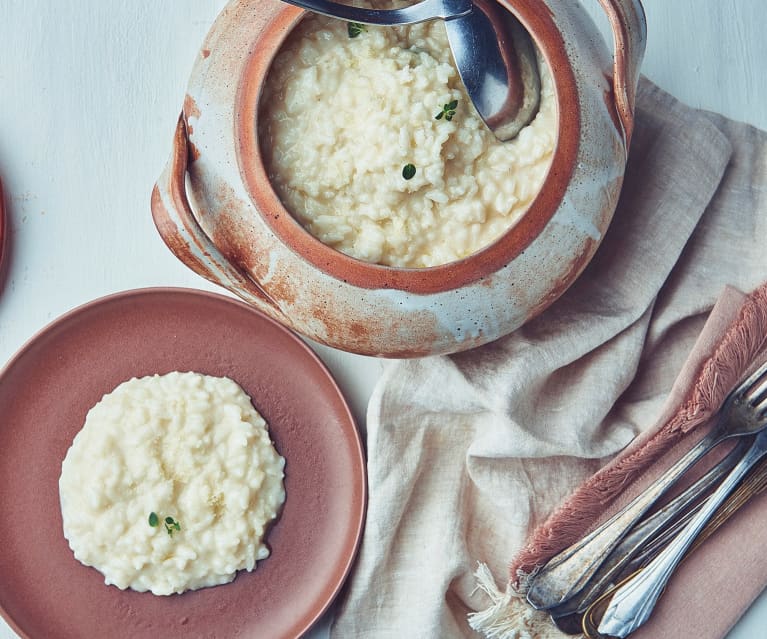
(493,52)
(646,539)
(754,484)
(633,604)
(569,571)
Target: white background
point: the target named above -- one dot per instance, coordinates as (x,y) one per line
(89,95)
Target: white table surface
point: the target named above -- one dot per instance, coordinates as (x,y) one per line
(89,96)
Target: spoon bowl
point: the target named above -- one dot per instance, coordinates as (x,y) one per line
(493,52)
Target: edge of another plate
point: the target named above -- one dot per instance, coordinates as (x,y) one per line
(3,225)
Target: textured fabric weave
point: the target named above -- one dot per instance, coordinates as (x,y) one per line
(469,454)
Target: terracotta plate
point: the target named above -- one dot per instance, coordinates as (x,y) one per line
(45,392)
(3,223)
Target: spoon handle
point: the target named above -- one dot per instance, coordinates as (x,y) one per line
(566,574)
(633,603)
(753,484)
(648,538)
(420,12)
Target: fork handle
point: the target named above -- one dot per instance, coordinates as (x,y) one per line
(633,603)
(568,572)
(650,536)
(421,12)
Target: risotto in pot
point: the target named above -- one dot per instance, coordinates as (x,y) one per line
(372,143)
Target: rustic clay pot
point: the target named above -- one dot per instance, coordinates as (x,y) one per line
(239,235)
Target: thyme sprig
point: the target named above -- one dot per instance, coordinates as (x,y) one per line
(448,111)
(171,525)
(354,29)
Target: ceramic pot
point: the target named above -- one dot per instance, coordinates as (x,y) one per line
(217,212)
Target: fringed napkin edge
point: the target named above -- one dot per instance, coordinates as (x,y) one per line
(509,616)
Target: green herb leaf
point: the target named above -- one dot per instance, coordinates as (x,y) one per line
(355,28)
(171,525)
(448,111)
(408,171)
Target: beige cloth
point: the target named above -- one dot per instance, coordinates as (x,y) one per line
(467,454)
(731,342)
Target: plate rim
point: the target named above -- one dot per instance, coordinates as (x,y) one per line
(3,227)
(359,451)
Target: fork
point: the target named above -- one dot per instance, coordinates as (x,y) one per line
(633,603)
(646,539)
(754,484)
(569,571)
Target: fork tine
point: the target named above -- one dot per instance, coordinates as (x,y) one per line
(746,386)
(760,409)
(756,393)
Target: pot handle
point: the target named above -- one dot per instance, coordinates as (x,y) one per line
(186,239)
(629,27)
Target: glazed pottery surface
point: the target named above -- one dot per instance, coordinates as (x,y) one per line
(226,222)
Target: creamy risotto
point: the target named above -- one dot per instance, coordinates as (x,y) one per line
(373,145)
(170,484)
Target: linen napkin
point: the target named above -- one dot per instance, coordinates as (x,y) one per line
(469,454)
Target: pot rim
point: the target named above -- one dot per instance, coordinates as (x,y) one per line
(537,18)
